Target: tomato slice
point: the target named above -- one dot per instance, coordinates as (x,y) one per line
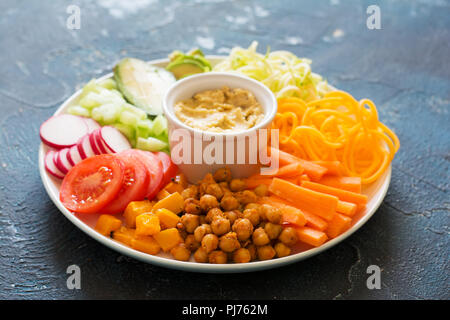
(92,184)
(134,186)
(170,169)
(155,170)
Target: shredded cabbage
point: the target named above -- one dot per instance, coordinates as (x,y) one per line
(283,72)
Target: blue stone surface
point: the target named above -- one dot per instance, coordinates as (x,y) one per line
(404,68)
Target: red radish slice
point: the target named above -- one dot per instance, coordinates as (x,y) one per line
(63,131)
(114,139)
(98,139)
(91,124)
(94,144)
(84,147)
(74,155)
(69,158)
(63,163)
(55,159)
(50,166)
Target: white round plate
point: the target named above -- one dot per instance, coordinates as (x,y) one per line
(376,193)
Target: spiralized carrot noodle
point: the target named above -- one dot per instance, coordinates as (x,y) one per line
(337,127)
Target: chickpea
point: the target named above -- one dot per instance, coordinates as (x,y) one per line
(272,214)
(218,257)
(252,250)
(229,242)
(243,228)
(273,230)
(242,255)
(201,231)
(220,226)
(190,192)
(192,206)
(232,215)
(180,252)
(208,178)
(215,190)
(227,193)
(213,214)
(208,202)
(260,237)
(237,185)
(229,202)
(288,236)
(252,206)
(183,234)
(222,174)
(190,222)
(265,252)
(252,215)
(191,243)
(180,226)
(246,196)
(261,190)
(282,250)
(224,186)
(210,242)
(201,255)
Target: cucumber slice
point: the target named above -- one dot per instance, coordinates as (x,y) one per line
(107,113)
(144,128)
(128,118)
(142,84)
(108,84)
(150,144)
(160,125)
(127,131)
(79,111)
(139,113)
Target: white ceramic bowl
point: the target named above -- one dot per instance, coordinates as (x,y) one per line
(206,140)
(86,223)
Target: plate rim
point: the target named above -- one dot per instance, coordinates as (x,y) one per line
(187,265)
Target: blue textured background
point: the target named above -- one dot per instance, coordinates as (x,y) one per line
(404,68)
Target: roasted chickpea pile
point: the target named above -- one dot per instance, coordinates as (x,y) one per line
(222,222)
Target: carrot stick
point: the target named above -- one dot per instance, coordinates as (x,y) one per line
(335,168)
(253,183)
(289,170)
(312,220)
(314,171)
(322,204)
(304,177)
(352,184)
(339,224)
(311,236)
(291,215)
(347,208)
(315,221)
(359,199)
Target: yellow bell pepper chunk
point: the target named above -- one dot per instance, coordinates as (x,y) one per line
(168,238)
(147,224)
(167,218)
(124,235)
(134,209)
(145,244)
(173,202)
(107,223)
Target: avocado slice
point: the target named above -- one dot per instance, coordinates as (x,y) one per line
(183,65)
(142,84)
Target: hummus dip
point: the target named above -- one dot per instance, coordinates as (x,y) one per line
(220,110)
